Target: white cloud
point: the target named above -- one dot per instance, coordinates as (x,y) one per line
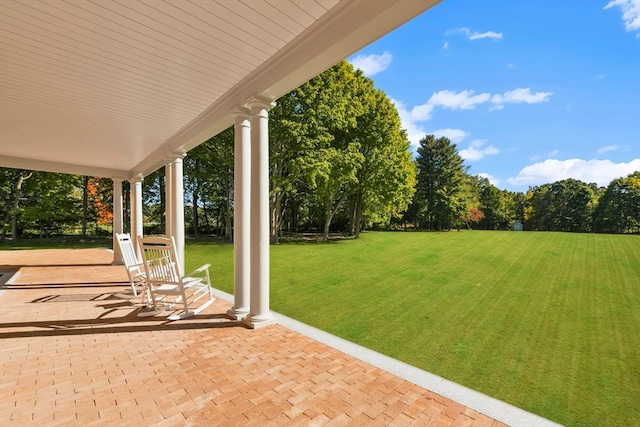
(422,113)
(372,64)
(455,135)
(511,65)
(445,46)
(520,95)
(462,30)
(463,100)
(493,180)
(630,13)
(607,148)
(475,151)
(554,153)
(601,172)
(466,32)
(487,35)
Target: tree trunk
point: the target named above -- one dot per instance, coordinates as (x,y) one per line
(206,217)
(228,229)
(330,211)
(358,215)
(163,215)
(196,224)
(16,204)
(276,215)
(85,204)
(327,224)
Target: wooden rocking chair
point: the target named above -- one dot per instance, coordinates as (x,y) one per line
(134,267)
(167,287)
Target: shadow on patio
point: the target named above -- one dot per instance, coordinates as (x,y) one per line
(76,357)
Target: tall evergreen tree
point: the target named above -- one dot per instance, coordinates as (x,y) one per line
(440,190)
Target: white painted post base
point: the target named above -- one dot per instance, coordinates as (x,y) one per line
(259,321)
(237,313)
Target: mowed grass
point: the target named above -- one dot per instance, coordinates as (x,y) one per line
(549,322)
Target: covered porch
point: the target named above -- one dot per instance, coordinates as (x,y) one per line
(121,89)
(74,353)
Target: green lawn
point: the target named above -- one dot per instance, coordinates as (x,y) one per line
(549,322)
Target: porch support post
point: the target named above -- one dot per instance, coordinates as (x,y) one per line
(136,211)
(117,219)
(241,214)
(259,314)
(175,204)
(168,194)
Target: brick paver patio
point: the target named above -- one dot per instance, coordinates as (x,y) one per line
(74,353)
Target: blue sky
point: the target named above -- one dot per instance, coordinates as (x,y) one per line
(530,91)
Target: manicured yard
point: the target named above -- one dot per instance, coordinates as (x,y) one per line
(549,322)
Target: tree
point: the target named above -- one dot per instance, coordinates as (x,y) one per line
(440,192)
(99,200)
(560,206)
(209,181)
(154,203)
(385,181)
(53,201)
(311,148)
(618,209)
(12,183)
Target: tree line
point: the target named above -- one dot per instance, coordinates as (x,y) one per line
(339,163)
(449,197)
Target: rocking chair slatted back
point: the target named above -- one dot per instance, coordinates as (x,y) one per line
(167,286)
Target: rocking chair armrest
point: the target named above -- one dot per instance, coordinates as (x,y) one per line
(199,269)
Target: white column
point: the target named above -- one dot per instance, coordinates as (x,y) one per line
(175,205)
(136,212)
(117,219)
(241,214)
(259,314)
(168,197)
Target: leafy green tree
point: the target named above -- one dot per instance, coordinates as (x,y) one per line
(574,201)
(52,201)
(335,172)
(470,199)
(560,206)
(618,209)
(153,197)
(386,179)
(337,141)
(303,127)
(11,189)
(209,182)
(492,204)
(441,187)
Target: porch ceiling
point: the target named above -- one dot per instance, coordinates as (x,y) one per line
(110,88)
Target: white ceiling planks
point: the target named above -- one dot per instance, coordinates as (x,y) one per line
(112,87)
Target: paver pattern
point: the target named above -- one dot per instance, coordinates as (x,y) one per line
(74,352)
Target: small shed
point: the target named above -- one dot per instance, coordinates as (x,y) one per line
(517,226)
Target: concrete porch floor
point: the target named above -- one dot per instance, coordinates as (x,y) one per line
(72,352)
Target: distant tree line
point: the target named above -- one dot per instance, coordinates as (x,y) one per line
(340,163)
(449,197)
